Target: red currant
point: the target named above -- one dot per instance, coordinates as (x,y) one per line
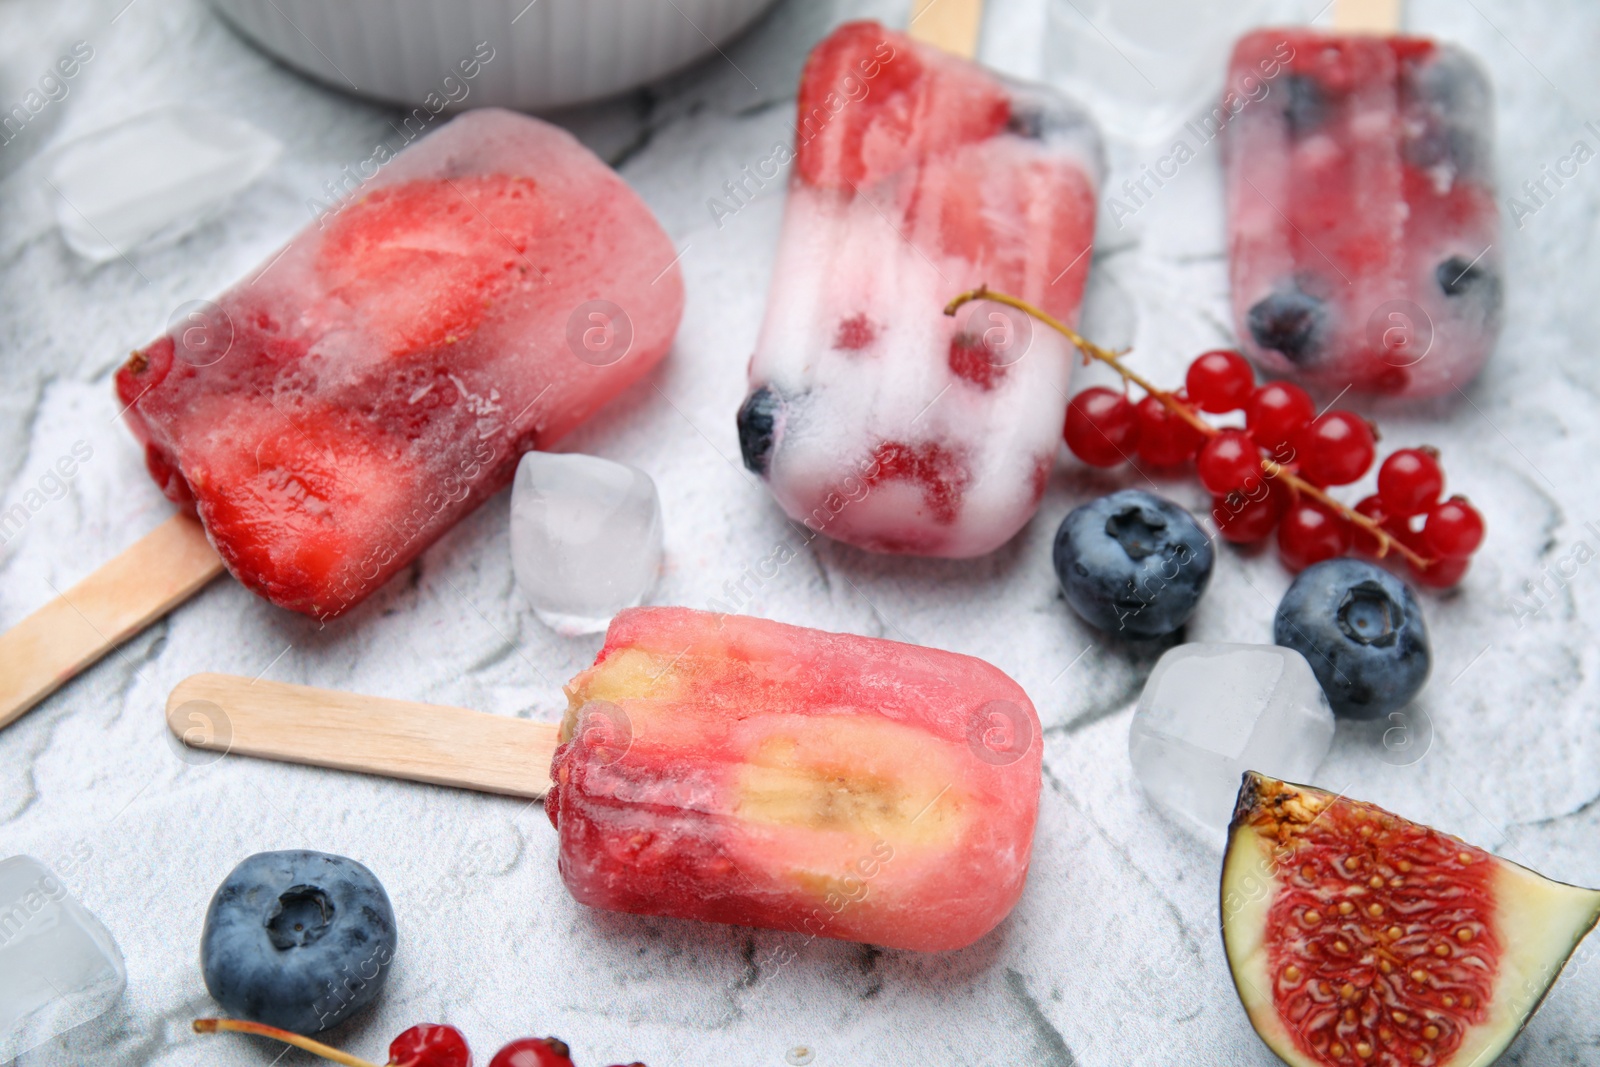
(1277,411)
(1102,428)
(1229,461)
(1165,439)
(1441,573)
(533,1052)
(1220,381)
(1363,542)
(1336,449)
(1410,481)
(1246,518)
(1453,529)
(1310,533)
(430,1045)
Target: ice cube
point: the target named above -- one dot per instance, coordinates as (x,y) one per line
(154,177)
(585,538)
(58,966)
(1141,65)
(1210,712)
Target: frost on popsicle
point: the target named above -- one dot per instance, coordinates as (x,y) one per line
(875,418)
(735,770)
(332,415)
(1363,227)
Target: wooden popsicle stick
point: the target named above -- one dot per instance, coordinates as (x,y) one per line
(158,572)
(372,735)
(1367,16)
(952,25)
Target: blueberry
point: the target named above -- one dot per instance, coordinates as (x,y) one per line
(1447,101)
(758,428)
(1460,276)
(1289,321)
(1305,105)
(1133,563)
(1473,291)
(299,940)
(1361,630)
(1041,115)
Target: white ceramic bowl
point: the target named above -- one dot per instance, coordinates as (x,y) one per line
(546,53)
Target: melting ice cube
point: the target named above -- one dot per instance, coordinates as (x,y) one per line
(585,538)
(1210,712)
(58,966)
(152,178)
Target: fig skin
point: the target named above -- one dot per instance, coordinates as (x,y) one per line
(1538,923)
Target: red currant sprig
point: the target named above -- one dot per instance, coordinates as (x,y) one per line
(1285,487)
(428,1045)
(410,1049)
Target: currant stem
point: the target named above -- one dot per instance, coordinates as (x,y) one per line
(241,1026)
(1386,541)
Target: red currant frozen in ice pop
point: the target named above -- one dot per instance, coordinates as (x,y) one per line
(332,415)
(737,770)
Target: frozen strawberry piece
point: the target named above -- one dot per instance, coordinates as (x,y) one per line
(1363,228)
(420,264)
(387,368)
(919,176)
(872,104)
(736,770)
(936,471)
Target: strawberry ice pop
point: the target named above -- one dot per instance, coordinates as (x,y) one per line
(341,408)
(1363,227)
(736,770)
(874,417)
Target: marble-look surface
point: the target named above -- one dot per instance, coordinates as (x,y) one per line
(1112,958)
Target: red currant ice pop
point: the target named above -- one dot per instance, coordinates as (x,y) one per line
(736,770)
(1363,226)
(874,417)
(344,406)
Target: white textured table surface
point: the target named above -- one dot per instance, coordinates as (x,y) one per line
(1112,958)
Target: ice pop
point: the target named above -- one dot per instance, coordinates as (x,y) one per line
(721,768)
(875,418)
(347,403)
(1363,230)
(737,770)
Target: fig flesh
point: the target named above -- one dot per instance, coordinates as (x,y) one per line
(1358,938)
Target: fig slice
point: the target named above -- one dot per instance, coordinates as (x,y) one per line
(1359,938)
